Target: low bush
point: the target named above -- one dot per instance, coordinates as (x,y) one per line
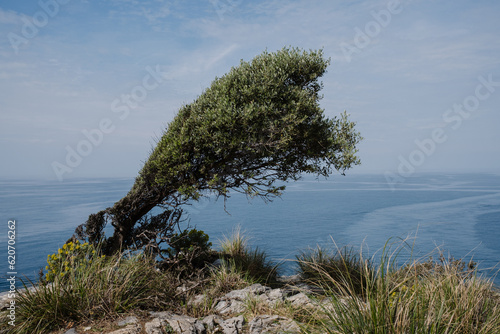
(70,255)
(189,253)
(103,287)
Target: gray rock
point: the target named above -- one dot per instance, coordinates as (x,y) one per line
(257,288)
(130,329)
(300,300)
(272,324)
(127,321)
(233,325)
(5,296)
(71,331)
(227,307)
(185,325)
(155,326)
(212,322)
(242,294)
(274,296)
(179,323)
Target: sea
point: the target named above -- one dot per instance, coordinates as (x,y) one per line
(425,215)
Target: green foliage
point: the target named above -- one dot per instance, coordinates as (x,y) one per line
(70,256)
(258,124)
(188,253)
(188,241)
(103,288)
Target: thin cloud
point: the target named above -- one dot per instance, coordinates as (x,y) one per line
(9,17)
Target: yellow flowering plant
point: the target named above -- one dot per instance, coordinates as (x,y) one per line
(72,255)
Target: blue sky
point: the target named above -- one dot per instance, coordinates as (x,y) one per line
(87,86)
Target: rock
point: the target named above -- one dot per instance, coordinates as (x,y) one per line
(233,325)
(234,302)
(130,329)
(257,288)
(300,300)
(155,326)
(277,295)
(71,331)
(185,325)
(212,322)
(272,324)
(127,321)
(226,307)
(178,323)
(274,296)
(243,294)
(5,297)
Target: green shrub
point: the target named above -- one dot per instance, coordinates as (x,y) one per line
(71,255)
(188,254)
(101,288)
(188,241)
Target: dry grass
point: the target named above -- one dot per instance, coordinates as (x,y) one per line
(251,262)
(104,289)
(444,296)
(420,296)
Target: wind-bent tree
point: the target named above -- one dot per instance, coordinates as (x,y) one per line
(258,124)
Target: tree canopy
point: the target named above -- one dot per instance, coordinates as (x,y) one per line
(258,124)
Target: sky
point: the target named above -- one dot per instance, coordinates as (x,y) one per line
(87,87)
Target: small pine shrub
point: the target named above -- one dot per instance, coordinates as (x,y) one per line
(187,242)
(188,254)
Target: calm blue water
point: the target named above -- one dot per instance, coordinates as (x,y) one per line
(458,213)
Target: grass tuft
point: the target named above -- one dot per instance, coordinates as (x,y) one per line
(444,296)
(104,288)
(342,270)
(252,262)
